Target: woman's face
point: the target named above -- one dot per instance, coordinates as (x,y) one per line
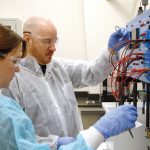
(8,66)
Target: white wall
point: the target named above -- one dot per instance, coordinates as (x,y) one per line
(66,14)
(72,18)
(101,17)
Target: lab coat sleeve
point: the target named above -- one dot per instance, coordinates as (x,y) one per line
(14,92)
(90,73)
(79,144)
(51,140)
(92,137)
(89,139)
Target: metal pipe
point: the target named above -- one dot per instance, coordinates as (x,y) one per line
(147,104)
(135,94)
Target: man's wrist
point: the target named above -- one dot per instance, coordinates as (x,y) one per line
(92,137)
(112,51)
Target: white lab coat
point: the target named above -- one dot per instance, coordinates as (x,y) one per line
(49,100)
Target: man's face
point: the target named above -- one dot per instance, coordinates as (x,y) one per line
(42,44)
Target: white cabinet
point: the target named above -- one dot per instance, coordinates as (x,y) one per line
(12,23)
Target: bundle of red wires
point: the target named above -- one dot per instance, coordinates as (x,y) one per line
(122,72)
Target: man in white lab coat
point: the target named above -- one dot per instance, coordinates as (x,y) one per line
(44,86)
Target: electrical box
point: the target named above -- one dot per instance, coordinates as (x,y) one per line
(140,46)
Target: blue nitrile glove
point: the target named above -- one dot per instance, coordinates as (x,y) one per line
(64,141)
(116,121)
(120,36)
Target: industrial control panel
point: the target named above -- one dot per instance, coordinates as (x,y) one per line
(139,48)
(133,68)
(134,60)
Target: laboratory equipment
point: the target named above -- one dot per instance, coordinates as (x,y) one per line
(131,71)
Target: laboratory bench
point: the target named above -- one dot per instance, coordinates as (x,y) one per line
(90,108)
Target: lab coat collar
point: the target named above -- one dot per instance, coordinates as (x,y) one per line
(31,64)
